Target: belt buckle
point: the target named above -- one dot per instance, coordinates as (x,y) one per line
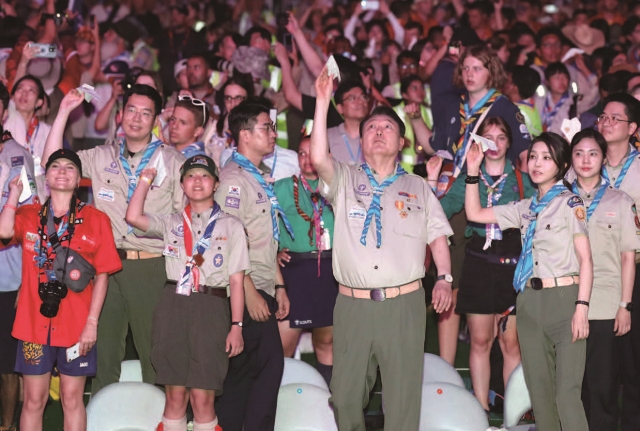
(378,295)
(536,283)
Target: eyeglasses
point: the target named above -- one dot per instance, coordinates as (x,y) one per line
(234,98)
(271,126)
(133,112)
(197,102)
(612,120)
(364,97)
(408,66)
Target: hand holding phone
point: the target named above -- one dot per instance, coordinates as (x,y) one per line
(370,5)
(44,50)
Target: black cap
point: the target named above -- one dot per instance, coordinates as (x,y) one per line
(387,112)
(199,162)
(65,154)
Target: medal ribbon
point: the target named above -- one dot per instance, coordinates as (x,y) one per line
(524,268)
(374,208)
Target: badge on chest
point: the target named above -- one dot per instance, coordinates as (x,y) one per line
(171,251)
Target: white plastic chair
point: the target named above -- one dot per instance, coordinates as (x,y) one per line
(449,407)
(296,372)
(437,369)
(131,371)
(126,406)
(304,407)
(516,401)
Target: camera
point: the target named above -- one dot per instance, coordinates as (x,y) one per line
(51,293)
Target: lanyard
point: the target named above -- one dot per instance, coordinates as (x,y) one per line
(596,200)
(346,143)
(32,132)
(625,168)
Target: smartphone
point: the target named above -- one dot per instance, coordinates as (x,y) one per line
(370,5)
(454,50)
(286,41)
(73,352)
(550,9)
(45,50)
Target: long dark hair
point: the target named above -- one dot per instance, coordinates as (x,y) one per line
(241,79)
(559,150)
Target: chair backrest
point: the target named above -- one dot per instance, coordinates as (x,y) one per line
(296,371)
(131,371)
(437,369)
(304,407)
(516,398)
(130,406)
(449,407)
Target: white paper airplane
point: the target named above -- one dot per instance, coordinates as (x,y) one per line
(485,143)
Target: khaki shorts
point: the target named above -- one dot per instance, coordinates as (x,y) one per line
(188,339)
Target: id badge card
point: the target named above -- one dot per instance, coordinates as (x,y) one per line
(325,239)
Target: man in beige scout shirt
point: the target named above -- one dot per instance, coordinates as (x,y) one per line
(114,170)
(250,393)
(384,219)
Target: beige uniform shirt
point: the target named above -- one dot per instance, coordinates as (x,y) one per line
(227,254)
(563,219)
(612,230)
(110,186)
(239,194)
(411,218)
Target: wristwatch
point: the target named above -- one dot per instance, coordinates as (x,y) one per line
(237,324)
(627,306)
(446,277)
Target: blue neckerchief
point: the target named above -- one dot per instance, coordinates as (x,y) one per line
(461,155)
(596,200)
(524,268)
(625,168)
(549,113)
(133,179)
(243,162)
(374,208)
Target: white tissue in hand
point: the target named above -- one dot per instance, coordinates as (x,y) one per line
(332,68)
(485,143)
(89,93)
(161,169)
(570,128)
(444,154)
(26,186)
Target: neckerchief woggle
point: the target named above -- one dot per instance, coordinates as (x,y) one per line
(191,275)
(492,230)
(374,208)
(625,168)
(596,200)
(524,268)
(243,162)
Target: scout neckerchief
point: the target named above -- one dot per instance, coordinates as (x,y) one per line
(524,268)
(550,110)
(528,102)
(244,163)
(374,208)
(355,158)
(317,203)
(468,117)
(195,252)
(596,200)
(32,131)
(133,179)
(494,193)
(625,168)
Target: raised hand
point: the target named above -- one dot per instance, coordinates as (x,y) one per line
(434,166)
(149,174)
(292,26)
(72,100)
(324,86)
(474,159)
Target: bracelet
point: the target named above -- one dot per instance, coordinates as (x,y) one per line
(281,286)
(145,179)
(578,302)
(11,207)
(414,115)
(472,179)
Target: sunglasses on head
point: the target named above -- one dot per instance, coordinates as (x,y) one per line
(197,102)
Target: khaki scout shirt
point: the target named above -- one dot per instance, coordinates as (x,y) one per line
(411,218)
(227,254)
(239,194)
(612,230)
(110,186)
(563,219)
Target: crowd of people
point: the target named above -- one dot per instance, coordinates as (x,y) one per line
(199,174)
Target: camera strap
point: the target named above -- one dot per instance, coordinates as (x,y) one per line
(46,219)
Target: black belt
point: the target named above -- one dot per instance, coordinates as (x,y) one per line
(311,254)
(220,292)
(494,258)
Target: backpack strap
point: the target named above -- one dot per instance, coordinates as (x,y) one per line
(519,179)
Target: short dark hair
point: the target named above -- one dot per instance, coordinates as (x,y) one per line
(630,25)
(200,115)
(147,91)
(526,79)
(519,29)
(387,112)
(593,134)
(244,116)
(406,82)
(4,96)
(407,54)
(380,23)
(559,149)
(346,86)
(482,6)
(556,68)
(631,105)
(547,31)
(41,92)
(414,25)
(264,34)
(334,27)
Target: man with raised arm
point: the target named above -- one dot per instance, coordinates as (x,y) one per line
(384,219)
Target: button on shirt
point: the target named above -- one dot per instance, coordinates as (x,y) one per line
(110,185)
(612,230)
(563,219)
(227,254)
(239,194)
(411,218)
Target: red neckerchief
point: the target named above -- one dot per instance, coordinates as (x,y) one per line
(188,244)
(33,125)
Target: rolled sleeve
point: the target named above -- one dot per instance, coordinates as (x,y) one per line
(437,223)
(509,216)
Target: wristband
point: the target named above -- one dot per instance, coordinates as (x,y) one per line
(578,302)
(11,207)
(414,115)
(472,179)
(145,179)
(281,286)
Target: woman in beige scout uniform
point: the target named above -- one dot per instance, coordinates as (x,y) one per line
(613,237)
(196,329)
(554,281)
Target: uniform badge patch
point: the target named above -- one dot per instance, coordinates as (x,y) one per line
(234,190)
(581,214)
(357,213)
(520,117)
(106,195)
(113,168)
(575,201)
(31,237)
(232,202)
(218,260)
(171,251)
(17,161)
(178,230)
